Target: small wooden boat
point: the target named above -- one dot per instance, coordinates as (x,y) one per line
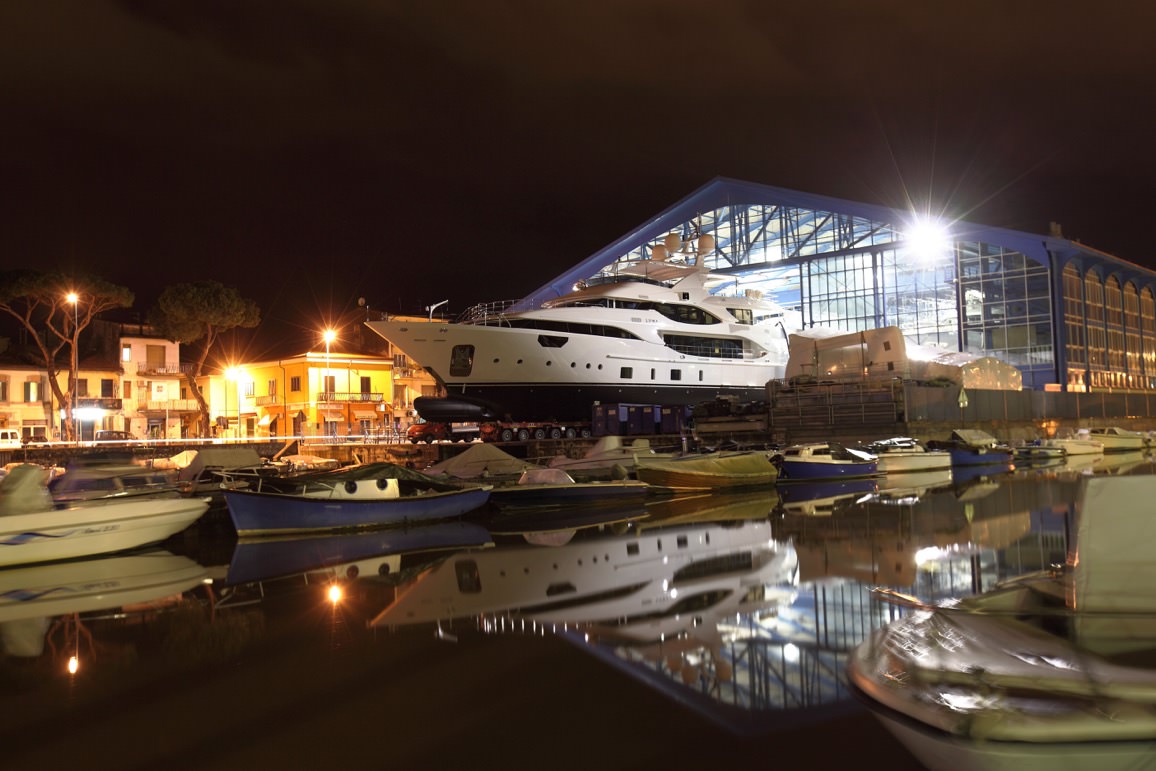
(716,471)
(33,529)
(370,495)
(814,461)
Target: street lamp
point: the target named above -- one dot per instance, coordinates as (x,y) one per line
(328,336)
(233,374)
(74,298)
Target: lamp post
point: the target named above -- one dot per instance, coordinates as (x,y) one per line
(328,336)
(233,374)
(74,299)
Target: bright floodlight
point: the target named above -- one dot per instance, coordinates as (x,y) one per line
(232,373)
(927,238)
(72,297)
(329,336)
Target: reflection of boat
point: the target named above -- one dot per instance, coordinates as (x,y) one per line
(1118,462)
(961,476)
(1116,439)
(971,446)
(30,596)
(717,470)
(369,552)
(902,453)
(603,577)
(1051,670)
(823,498)
(711,507)
(32,529)
(824,460)
(1038,452)
(658,331)
(372,495)
(914,483)
(554,487)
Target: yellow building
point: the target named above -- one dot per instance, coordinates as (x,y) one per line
(317,393)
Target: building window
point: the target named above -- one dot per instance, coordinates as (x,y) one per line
(32,391)
(366,388)
(249,386)
(330,384)
(107,388)
(128,389)
(126,352)
(82,386)
(272,386)
(295,383)
(3,389)
(155,357)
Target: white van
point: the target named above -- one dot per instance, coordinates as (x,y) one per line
(10,439)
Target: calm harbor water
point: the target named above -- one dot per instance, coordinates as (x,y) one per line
(698,629)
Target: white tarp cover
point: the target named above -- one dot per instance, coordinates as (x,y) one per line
(480,460)
(1113,564)
(217,458)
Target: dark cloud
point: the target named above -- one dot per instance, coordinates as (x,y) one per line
(311,153)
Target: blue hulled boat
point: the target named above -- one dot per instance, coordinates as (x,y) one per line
(371,495)
(824,460)
(973,447)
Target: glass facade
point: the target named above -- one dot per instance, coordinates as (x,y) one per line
(1067,316)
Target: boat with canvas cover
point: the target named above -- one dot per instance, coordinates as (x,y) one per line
(34,529)
(973,447)
(551,487)
(716,470)
(369,495)
(1053,670)
(656,331)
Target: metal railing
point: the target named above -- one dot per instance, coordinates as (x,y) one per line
(353,396)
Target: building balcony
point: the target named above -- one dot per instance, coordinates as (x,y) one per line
(99,402)
(340,397)
(265,401)
(163,370)
(169,405)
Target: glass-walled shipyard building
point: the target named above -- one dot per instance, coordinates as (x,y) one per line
(1071,318)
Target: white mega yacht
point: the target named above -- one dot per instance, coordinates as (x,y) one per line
(658,331)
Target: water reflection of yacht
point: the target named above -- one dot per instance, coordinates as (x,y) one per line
(608,579)
(31,596)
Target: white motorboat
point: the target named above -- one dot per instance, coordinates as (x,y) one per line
(33,530)
(1075,445)
(654,332)
(1054,670)
(1116,439)
(652,577)
(902,453)
(87,481)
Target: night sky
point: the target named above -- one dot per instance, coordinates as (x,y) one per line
(310,152)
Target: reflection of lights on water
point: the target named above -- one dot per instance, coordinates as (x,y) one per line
(73,664)
(335,593)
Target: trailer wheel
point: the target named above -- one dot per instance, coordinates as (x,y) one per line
(523,434)
(507,435)
(539,433)
(555,433)
(585,433)
(571,433)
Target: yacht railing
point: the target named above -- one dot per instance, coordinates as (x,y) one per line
(492,313)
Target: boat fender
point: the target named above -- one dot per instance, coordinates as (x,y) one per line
(382,484)
(351,487)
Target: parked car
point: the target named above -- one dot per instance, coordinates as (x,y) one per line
(427,432)
(115,437)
